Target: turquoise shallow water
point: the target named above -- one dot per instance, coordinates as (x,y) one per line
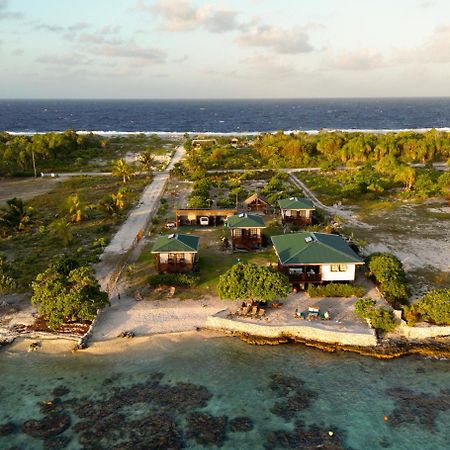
(343,393)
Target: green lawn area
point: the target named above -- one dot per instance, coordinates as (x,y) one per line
(213,262)
(31,251)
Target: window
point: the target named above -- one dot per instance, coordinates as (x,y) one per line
(338,267)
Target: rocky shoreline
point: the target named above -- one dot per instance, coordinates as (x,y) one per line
(386,349)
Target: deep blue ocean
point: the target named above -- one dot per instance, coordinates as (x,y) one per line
(223,116)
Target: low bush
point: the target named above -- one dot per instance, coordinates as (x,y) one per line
(363,306)
(336,290)
(433,307)
(382,319)
(387,270)
(173,279)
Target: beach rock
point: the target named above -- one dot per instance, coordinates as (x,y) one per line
(419,408)
(241,424)
(294,394)
(48,406)
(56,443)
(206,429)
(126,334)
(7,428)
(51,425)
(60,391)
(305,439)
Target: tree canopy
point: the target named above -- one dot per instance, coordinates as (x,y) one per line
(253,282)
(67,292)
(433,307)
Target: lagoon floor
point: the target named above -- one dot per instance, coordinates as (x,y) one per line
(170,389)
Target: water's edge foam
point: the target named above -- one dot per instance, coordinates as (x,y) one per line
(228,133)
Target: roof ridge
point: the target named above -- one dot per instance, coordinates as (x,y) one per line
(334,248)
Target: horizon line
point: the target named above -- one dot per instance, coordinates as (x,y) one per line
(219,98)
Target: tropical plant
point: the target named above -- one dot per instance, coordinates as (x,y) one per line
(123,170)
(17,215)
(66,294)
(253,282)
(147,160)
(7,281)
(114,203)
(335,290)
(61,229)
(433,307)
(381,319)
(74,208)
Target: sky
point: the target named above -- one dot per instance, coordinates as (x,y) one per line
(224,48)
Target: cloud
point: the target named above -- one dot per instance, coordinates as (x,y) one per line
(357,60)
(133,51)
(5,14)
(270,65)
(58,28)
(284,41)
(182,15)
(435,50)
(67,59)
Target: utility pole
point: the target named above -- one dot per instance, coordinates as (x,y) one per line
(34,163)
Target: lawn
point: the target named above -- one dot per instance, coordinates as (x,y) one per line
(31,251)
(213,262)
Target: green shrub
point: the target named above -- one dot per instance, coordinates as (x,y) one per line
(433,307)
(173,279)
(387,270)
(382,319)
(363,306)
(336,290)
(7,281)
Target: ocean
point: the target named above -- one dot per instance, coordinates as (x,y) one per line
(223,116)
(196,393)
(220,392)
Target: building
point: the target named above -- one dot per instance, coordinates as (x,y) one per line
(246,231)
(308,257)
(176,253)
(196,143)
(296,211)
(193,216)
(256,203)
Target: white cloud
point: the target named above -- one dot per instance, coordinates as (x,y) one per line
(358,59)
(285,41)
(435,50)
(183,15)
(5,14)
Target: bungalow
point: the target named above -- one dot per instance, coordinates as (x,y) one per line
(246,230)
(176,252)
(297,211)
(197,143)
(309,257)
(256,203)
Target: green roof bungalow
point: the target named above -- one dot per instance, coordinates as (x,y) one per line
(176,253)
(246,231)
(308,257)
(296,211)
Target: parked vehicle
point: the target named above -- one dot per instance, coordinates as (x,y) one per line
(204,221)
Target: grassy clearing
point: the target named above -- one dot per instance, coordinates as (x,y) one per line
(31,251)
(213,262)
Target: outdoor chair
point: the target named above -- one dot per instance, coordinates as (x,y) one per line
(261,312)
(254,311)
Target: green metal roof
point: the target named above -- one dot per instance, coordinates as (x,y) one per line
(313,248)
(295,203)
(245,221)
(176,243)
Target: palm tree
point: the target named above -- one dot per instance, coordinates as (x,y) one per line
(115,202)
(123,170)
(148,161)
(61,229)
(74,208)
(16,214)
